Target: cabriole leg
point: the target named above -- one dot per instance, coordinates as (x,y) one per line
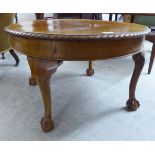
(42,70)
(139,59)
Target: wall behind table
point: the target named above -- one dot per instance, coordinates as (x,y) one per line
(29,16)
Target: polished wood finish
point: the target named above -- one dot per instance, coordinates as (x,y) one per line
(90,71)
(41,71)
(64,39)
(71,50)
(48,42)
(76,29)
(95,16)
(132,103)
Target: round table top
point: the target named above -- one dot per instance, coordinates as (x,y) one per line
(79,29)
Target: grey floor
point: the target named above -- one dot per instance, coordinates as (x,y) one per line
(84,108)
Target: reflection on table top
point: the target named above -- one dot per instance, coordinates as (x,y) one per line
(78,27)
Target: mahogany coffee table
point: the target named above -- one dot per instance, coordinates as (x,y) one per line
(47,43)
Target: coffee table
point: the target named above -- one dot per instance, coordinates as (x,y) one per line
(47,43)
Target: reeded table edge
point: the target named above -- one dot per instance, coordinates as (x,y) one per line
(45,36)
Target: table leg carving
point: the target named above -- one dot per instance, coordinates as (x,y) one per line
(42,70)
(139,59)
(90,70)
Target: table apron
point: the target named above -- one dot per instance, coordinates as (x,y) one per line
(77,50)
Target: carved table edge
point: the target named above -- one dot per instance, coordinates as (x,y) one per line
(45,36)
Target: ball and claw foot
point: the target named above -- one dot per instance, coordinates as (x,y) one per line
(47,124)
(32,82)
(132,105)
(89,72)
